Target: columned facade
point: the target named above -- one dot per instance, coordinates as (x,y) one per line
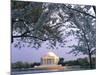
(49,59)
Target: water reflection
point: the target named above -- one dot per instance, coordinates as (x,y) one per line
(67,68)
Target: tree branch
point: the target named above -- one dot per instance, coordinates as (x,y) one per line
(19,36)
(81,12)
(94,8)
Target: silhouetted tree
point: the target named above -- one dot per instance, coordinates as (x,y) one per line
(61,61)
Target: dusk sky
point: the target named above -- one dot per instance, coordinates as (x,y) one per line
(28,54)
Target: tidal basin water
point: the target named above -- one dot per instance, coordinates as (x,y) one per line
(27,71)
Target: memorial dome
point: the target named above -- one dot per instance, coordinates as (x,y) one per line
(51,54)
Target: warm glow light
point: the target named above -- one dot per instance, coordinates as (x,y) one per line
(51,54)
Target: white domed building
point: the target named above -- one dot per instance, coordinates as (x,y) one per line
(50,62)
(49,59)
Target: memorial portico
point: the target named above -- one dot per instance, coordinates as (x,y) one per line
(49,59)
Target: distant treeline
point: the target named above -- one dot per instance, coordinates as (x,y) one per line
(21,65)
(82,62)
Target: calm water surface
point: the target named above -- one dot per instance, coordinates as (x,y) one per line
(43,71)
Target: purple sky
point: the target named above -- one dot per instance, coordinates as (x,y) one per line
(27,54)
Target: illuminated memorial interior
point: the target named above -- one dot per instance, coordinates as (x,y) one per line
(49,59)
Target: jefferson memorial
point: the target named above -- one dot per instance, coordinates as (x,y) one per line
(49,59)
(50,62)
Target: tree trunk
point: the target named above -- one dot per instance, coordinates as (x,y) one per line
(90,60)
(12,31)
